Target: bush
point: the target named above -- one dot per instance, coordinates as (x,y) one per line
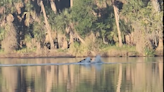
(9,42)
(149,52)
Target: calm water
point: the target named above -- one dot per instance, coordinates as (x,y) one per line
(126,75)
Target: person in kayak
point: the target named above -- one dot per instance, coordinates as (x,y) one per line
(88,60)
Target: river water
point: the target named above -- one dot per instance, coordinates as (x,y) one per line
(122,75)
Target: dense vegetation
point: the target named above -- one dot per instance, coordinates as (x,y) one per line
(82,27)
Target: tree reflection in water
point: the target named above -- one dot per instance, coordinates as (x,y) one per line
(130,77)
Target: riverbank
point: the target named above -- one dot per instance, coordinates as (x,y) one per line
(36,55)
(54,54)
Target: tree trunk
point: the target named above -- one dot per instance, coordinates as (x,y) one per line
(71,38)
(71,3)
(156,5)
(103,38)
(77,35)
(62,42)
(53,6)
(117,24)
(159,49)
(47,25)
(81,40)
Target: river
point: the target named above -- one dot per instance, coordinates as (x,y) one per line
(122,74)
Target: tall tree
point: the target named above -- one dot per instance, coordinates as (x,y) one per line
(116,13)
(156,5)
(71,3)
(10,43)
(53,6)
(47,25)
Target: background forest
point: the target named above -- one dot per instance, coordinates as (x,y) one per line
(82,27)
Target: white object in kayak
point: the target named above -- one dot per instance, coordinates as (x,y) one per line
(97,59)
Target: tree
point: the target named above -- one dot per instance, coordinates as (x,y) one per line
(116,13)
(145,23)
(47,25)
(82,16)
(156,5)
(9,42)
(71,3)
(53,6)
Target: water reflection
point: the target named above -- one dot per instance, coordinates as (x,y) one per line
(144,75)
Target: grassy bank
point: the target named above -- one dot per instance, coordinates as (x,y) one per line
(119,51)
(106,51)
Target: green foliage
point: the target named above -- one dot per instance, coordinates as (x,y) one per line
(2,2)
(26,50)
(38,31)
(2,34)
(9,5)
(78,49)
(136,12)
(1,50)
(82,15)
(105,24)
(124,47)
(28,6)
(27,38)
(62,20)
(145,20)
(149,52)
(132,10)
(75,48)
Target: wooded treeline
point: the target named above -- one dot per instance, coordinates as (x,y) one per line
(81,26)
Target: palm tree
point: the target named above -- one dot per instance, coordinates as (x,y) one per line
(116,13)
(53,6)
(47,25)
(71,3)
